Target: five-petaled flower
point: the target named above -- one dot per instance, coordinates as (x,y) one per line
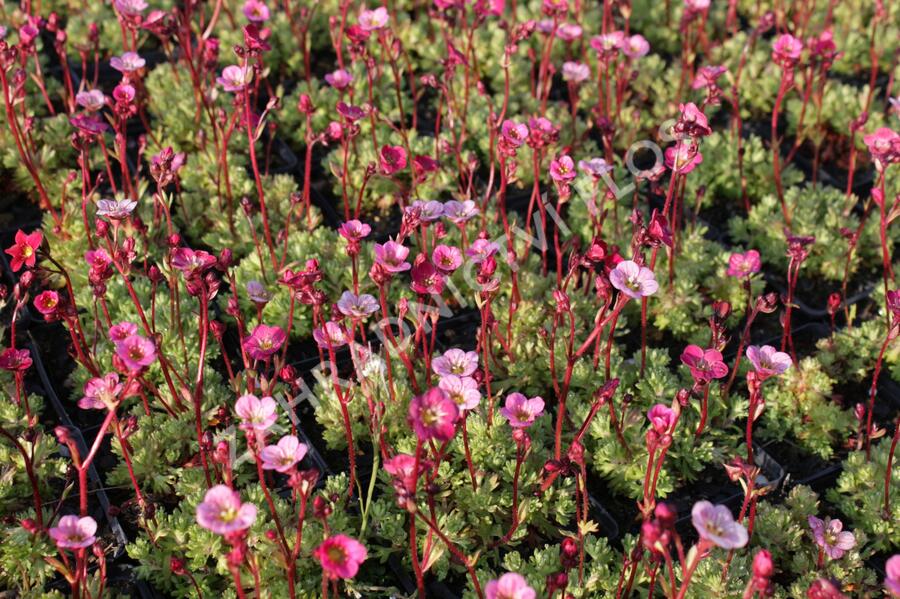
(72,532)
(256,414)
(715,524)
(767,361)
(264,341)
(831,537)
(284,455)
(509,586)
(223,512)
(433,415)
(340,556)
(520,411)
(633,280)
(23,251)
(705,364)
(743,265)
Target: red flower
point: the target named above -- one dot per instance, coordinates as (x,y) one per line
(393,159)
(15,360)
(24,250)
(705,364)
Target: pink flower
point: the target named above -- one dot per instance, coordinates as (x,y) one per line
(350,112)
(521,411)
(256,414)
(340,555)
(331,334)
(256,11)
(460,212)
(513,134)
(509,586)
(575,72)
(234,78)
(562,170)
(447,257)
(715,524)
(569,32)
(831,537)
(633,280)
(264,341)
(609,44)
(884,145)
(72,532)
(223,512)
(15,360)
(662,418)
(696,6)
(136,352)
(892,576)
(595,168)
(116,210)
(122,331)
(429,211)
(433,415)
(463,390)
(708,76)
(128,62)
(392,256)
(24,249)
(401,467)
(47,303)
(455,361)
(636,46)
(372,20)
(767,361)
(693,121)
(131,8)
(101,393)
(91,100)
(683,157)
(339,79)
(744,265)
(426,279)
(481,249)
(393,159)
(283,455)
(786,50)
(357,306)
(705,364)
(354,230)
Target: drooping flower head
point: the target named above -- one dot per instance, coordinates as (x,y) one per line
(284,455)
(633,280)
(223,512)
(520,411)
(72,532)
(692,122)
(340,555)
(23,251)
(264,341)
(433,415)
(768,361)
(256,414)
(708,76)
(455,361)
(715,524)
(705,364)
(509,586)
(662,418)
(831,536)
(136,352)
(101,393)
(463,390)
(743,265)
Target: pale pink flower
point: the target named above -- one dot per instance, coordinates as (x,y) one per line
(116,210)
(481,249)
(91,100)
(768,361)
(633,280)
(743,265)
(707,76)
(831,536)
(357,306)
(433,415)
(340,556)
(635,46)
(101,393)
(235,78)
(284,455)
(608,44)
(455,361)
(127,63)
(460,212)
(72,532)
(463,390)
(447,258)
(256,414)
(223,512)
(892,576)
(339,79)
(715,524)
(130,8)
(521,411)
(576,72)
(373,20)
(569,32)
(392,256)
(429,211)
(509,586)
(331,334)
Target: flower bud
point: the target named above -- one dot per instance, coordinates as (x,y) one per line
(762,565)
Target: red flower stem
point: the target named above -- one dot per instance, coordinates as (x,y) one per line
(783,87)
(704,408)
(251,142)
(345,414)
(127,457)
(455,551)
(465,436)
(889,471)
(28,460)
(873,389)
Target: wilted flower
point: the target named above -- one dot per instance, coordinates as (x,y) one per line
(283,455)
(72,532)
(455,361)
(521,411)
(463,390)
(392,256)
(708,76)
(509,586)
(715,524)
(595,168)
(576,72)
(831,536)
(136,352)
(24,249)
(256,414)
(433,415)
(128,62)
(101,393)
(743,265)
(235,78)
(705,364)
(693,121)
(223,512)
(357,306)
(683,157)
(481,249)
(264,341)
(633,280)
(340,555)
(767,361)
(330,335)
(339,79)
(256,11)
(350,112)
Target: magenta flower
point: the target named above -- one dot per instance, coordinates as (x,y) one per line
(402,468)
(339,79)
(562,170)
(708,76)
(636,46)
(98,259)
(447,257)
(509,586)
(101,393)
(256,414)
(455,361)
(609,44)
(350,112)
(662,418)
(426,279)
(373,20)
(136,352)
(460,212)
(24,249)
(683,157)
(340,555)
(283,455)
(330,335)
(884,145)
(693,121)
(264,341)
(575,72)
(513,134)
(116,209)
(392,159)
(633,280)
(392,256)
(354,230)
(235,78)
(521,411)
(91,100)
(463,390)
(705,364)
(768,361)
(357,306)
(124,94)
(481,249)
(223,512)
(47,302)
(128,62)
(743,265)
(715,524)
(15,360)
(786,50)
(88,125)
(256,11)
(122,331)
(72,532)
(831,536)
(433,415)
(892,576)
